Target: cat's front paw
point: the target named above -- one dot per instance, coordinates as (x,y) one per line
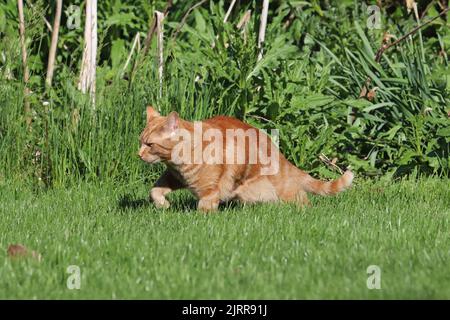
(162,204)
(157,196)
(208,205)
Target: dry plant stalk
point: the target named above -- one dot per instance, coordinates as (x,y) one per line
(262,27)
(136,42)
(160,47)
(152,29)
(54,44)
(230,8)
(243,23)
(147,41)
(183,20)
(88,65)
(26,72)
(410,4)
(244,20)
(331,163)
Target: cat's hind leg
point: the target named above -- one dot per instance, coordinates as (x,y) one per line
(301,199)
(209,201)
(163,186)
(261,190)
(255,190)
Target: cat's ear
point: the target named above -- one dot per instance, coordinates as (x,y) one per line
(173,121)
(151,113)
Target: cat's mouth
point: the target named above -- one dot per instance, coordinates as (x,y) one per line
(154,161)
(151,160)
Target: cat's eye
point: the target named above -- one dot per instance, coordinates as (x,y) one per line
(150,145)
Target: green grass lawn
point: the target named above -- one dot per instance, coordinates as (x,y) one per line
(126,248)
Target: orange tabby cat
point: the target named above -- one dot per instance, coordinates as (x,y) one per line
(213,178)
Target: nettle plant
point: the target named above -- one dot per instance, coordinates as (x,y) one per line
(402,128)
(309,88)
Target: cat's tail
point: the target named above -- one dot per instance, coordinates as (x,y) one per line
(328,187)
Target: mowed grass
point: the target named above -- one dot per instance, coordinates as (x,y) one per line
(126,248)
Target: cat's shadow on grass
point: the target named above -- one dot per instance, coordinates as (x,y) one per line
(185,203)
(127,201)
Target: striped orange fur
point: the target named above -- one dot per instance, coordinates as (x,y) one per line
(217,182)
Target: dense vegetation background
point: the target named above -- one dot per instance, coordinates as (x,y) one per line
(317,57)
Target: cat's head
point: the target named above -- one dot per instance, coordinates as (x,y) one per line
(157,138)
